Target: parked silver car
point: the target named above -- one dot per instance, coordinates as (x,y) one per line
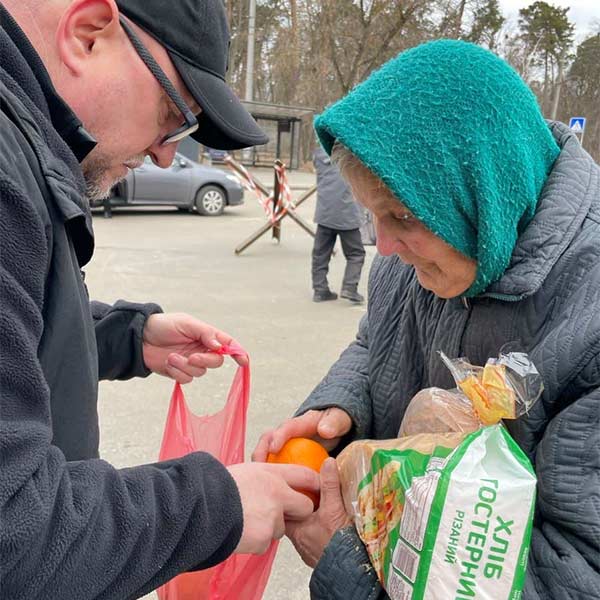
(185,184)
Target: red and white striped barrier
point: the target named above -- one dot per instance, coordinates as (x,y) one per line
(248,182)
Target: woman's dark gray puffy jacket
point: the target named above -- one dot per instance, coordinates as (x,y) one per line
(549,302)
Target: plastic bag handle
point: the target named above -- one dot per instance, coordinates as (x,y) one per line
(233,349)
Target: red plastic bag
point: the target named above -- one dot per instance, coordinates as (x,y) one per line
(223,434)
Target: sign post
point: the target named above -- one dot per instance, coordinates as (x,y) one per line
(577,125)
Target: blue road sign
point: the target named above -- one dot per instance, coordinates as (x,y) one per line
(577,124)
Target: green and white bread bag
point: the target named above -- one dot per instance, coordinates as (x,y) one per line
(466,519)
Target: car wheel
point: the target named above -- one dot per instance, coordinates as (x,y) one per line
(210,201)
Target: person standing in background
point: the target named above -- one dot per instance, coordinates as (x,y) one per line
(337,214)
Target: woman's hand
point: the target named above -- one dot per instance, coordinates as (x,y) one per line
(311,536)
(324,426)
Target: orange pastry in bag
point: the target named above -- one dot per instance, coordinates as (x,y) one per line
(492,397)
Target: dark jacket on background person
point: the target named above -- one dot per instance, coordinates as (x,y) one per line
(548,301)
(336,207)
(72,527)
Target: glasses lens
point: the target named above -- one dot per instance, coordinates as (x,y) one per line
(180,133)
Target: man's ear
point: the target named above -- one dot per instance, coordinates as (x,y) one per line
(85,27)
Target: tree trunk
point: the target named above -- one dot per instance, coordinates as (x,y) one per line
(459,18)
(557,89)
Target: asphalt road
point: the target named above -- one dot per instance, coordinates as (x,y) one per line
(263,297)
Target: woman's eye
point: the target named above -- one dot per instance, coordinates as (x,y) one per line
(405,218)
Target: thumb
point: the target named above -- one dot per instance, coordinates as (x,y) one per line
(206,334)
(334,423)
(331,495)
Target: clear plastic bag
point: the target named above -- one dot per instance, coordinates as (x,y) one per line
(505,388)
(431,510)
(414,499)
(434,410)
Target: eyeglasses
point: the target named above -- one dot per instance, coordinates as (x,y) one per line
(191,123)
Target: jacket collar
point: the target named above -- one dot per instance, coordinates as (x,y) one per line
(64,120)
(566,199)
(27,100)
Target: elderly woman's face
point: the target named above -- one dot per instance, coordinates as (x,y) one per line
(439,267)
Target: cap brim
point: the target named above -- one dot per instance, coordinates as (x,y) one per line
(224,123)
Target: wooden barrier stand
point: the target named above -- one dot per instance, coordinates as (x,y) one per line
(276,204)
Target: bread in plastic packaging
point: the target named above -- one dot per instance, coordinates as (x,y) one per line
(377,503)
(434,410)
(445,510)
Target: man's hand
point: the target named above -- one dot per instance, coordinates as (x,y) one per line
(181,347)
(311,536)
(324,426)
(269,499)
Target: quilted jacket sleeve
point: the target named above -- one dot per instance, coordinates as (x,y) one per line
(345,571)
(564,560)
(346,385)
(119,338)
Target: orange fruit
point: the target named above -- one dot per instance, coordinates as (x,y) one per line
(304,452)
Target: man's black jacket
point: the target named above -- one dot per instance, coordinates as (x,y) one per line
(72,526)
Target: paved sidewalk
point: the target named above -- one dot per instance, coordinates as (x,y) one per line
(263,297)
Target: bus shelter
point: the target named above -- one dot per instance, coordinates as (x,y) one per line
(284,126)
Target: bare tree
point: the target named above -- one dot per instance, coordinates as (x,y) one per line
(312,52)
(362,35)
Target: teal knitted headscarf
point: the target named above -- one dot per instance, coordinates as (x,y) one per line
(458,137)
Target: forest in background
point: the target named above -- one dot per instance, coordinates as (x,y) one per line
(309,53)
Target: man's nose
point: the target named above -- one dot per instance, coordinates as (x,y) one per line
(162,155)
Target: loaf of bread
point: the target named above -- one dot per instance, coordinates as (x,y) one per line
(434,410)
(375,475)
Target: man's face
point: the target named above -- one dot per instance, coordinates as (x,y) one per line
(124,107)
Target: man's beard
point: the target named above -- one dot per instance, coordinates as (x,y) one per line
(96,169)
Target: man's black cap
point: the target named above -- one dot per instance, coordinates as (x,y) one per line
(196,36)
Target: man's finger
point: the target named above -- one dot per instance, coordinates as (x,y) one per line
(297,477)
(329,444)
(226,340)
(278,529)
(296,506)
(204,333)
(223,338)
(177,374)
(185,366)
(334,422)
(206,360)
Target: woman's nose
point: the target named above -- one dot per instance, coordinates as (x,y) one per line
(387,244)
